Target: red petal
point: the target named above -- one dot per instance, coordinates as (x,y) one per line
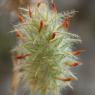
(53,6)
(73,64)
(68,79)
(18,34)
(20,18)
(19,57)
(53,35)
(41,25)
(66,22)
(65,79)
(77,52)
(22,56)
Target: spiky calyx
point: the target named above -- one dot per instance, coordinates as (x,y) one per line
(44,53)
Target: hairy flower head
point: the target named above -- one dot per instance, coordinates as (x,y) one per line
(44,56)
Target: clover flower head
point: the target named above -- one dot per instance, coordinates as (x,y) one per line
(44,55)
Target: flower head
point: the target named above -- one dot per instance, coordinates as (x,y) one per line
(45,56)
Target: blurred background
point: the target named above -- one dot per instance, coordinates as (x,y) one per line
(82,24)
